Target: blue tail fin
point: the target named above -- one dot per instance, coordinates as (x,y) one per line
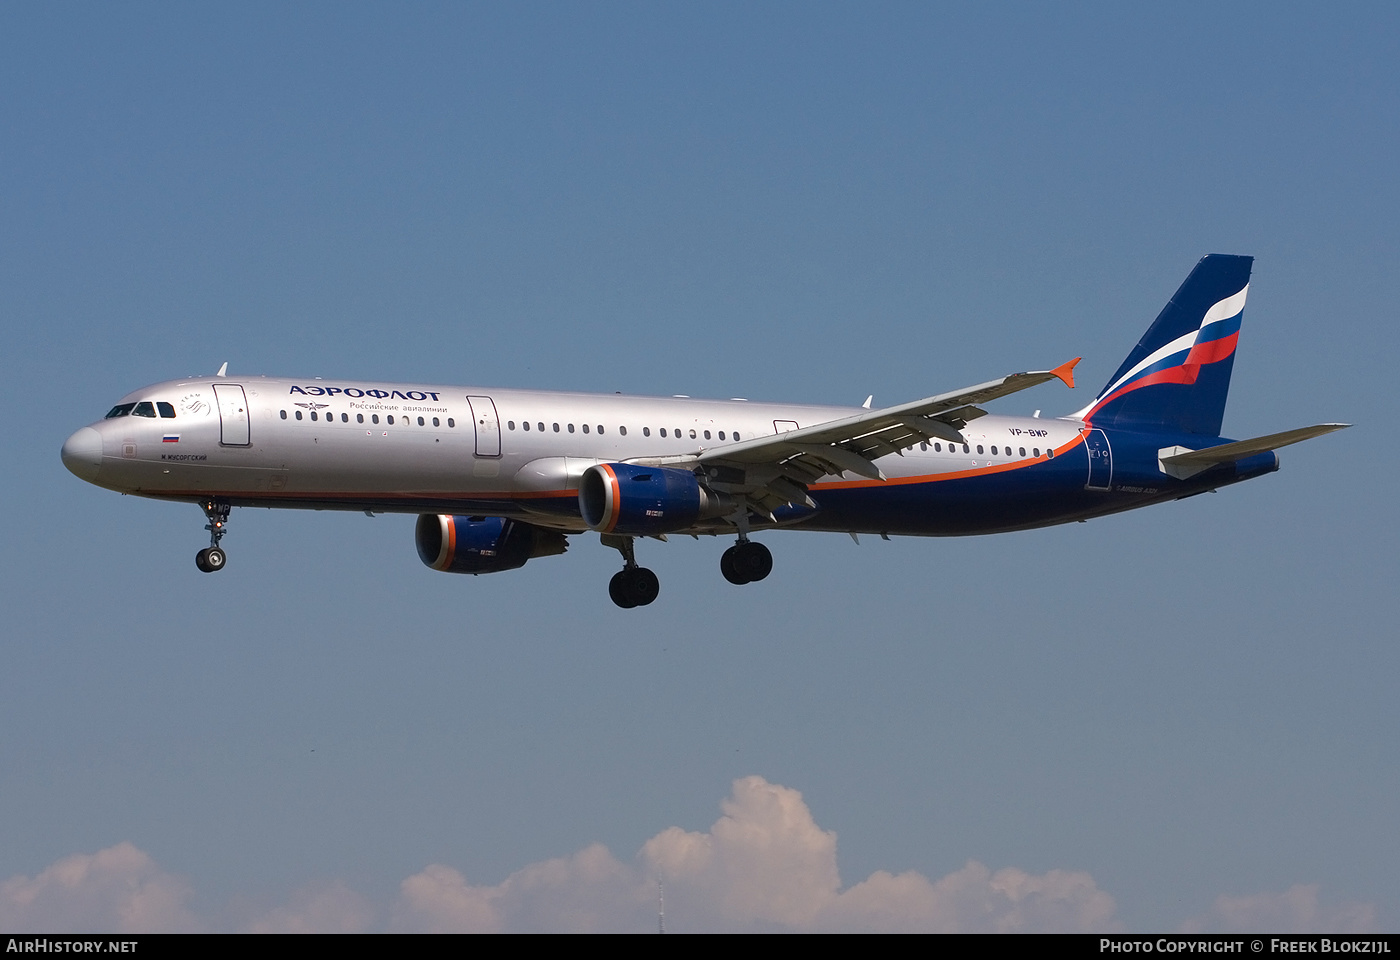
(1178,376)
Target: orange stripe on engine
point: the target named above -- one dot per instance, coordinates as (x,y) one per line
(616,500)
(451,545)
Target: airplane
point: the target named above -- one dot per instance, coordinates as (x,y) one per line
(499,477)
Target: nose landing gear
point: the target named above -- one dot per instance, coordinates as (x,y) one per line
(632,586)
(212,559)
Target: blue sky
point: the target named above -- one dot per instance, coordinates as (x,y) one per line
(1188,710)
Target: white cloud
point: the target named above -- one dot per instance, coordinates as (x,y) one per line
(765,860)
(975,900)
(117,890)
(1295,910)
(765,864)
(589,892)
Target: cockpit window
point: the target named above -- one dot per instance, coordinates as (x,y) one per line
(120,410)
(144,409)
(166,410)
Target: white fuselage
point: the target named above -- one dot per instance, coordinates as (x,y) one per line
(433,448)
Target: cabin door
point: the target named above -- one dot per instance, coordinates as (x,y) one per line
(233,415)
(488,426)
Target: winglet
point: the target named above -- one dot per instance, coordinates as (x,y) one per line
(1065,371)
(223,371)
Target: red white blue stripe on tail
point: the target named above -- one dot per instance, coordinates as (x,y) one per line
(1178,376)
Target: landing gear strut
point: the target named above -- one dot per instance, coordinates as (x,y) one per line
(632,586)
(212,559)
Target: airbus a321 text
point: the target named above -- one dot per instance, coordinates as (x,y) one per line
(499,477)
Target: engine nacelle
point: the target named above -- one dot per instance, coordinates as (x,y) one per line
(637,501)
(482,544)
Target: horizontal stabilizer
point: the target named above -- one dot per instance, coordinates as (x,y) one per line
(1181,462)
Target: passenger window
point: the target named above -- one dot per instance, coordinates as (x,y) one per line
(585,428)
(994,451)
(979,448)
(313,414)
(284,414)
(707,434)
(120,410)
(166,410)
(389,418)
(435,422)
(646,431)
(1050,453)
(298,414)
(556,428)
(1036,451)
(541,426)
(525,425)
(571,428)
(1023,451)
(374,418)
(420,421)
(510,424)
(938,448)
(965,449)
(692,434)
(736,436)
(663,431)
(359,418)
(451,422)
(622,430)
(600,428)
(144,409)
(345,418)
(721,434)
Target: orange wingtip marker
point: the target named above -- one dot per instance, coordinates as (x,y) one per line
(1065,371)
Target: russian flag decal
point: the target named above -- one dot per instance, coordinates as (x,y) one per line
(171,438)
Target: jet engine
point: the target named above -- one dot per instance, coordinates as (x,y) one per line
(482,544)
(637,501)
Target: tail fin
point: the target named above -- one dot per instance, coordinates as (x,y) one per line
(1178,376)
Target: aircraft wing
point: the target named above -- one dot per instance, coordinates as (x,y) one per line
(769,472)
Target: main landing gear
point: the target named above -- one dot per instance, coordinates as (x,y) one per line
(632,586)
(212,559)
(746,562)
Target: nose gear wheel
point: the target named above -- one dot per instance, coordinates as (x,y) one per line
(212,558)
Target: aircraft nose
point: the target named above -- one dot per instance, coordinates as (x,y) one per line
(82,453)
